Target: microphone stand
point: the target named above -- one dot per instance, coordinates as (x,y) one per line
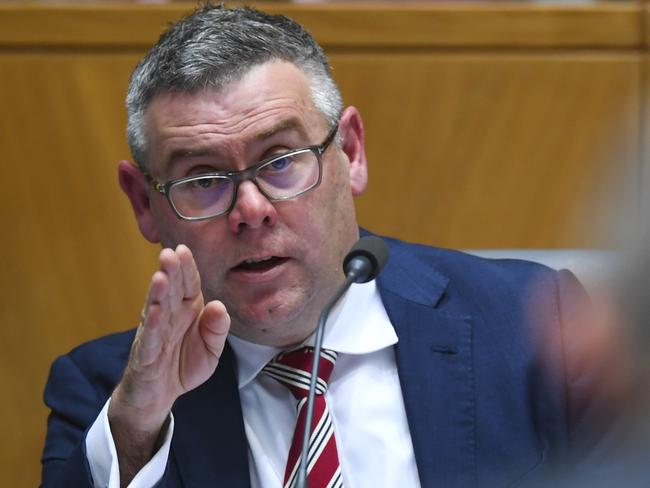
(363,263)
(318,344)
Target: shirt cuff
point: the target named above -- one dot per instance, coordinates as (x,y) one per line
(102,456)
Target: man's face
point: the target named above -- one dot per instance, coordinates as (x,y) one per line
(274,265)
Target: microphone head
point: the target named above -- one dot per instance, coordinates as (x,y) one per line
(373,252)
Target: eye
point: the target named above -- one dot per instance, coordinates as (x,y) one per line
(204,183)
(281,164)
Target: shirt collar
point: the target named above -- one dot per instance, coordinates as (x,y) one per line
(357,325)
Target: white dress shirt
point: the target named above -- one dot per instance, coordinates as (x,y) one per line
(364,398)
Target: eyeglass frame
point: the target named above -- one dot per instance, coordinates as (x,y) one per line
(248,174)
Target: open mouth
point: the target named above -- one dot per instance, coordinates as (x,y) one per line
(259,265)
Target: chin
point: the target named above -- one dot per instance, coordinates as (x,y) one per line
(277,322)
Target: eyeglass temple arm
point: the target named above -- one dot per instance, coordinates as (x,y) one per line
(156,186)
(328,140)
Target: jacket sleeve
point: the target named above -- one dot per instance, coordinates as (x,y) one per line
(74,404)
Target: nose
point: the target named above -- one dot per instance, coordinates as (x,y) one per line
(252,210)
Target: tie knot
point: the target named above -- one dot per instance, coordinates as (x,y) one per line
(293,369)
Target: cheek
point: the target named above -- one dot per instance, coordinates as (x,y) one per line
(212,255)
(205,239)
(338,200)
(332,219)
(198,236)
(166,223)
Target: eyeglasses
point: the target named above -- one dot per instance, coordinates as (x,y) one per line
(281,177)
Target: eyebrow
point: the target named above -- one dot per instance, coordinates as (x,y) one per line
(181,153)
(284,125)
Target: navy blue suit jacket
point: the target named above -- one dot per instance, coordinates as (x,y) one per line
(482,406)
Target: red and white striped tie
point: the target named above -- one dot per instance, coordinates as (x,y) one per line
(293,370)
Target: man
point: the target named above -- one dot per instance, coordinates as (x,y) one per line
(246,165)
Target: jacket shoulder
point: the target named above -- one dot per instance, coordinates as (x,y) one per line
(416,266)
(99,364)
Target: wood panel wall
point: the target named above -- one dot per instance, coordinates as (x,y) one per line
(487,126)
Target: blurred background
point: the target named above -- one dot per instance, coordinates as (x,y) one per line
(490,125)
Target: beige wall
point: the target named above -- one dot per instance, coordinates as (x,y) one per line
(487,126)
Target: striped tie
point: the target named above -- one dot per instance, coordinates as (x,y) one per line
(293,370)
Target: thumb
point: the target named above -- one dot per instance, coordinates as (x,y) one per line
(214,325)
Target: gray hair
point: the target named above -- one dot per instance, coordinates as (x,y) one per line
(215,46)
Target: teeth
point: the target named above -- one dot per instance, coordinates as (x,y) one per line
(261,260)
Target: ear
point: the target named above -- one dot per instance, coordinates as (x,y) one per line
(352,135)
(134,185)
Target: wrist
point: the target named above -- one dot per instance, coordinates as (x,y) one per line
(136,433)
(140,418)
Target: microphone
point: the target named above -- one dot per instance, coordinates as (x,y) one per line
(363,263)
(366,259)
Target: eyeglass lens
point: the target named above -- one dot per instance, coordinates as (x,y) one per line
(280,178)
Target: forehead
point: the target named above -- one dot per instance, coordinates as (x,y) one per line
(268,95)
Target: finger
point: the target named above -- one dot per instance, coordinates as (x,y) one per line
(171,266)
(189,271)
(181,314)
(214,325)
(151,340)
(152,294)
(156,312)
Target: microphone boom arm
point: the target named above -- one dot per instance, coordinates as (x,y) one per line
(362,264)
(318,345)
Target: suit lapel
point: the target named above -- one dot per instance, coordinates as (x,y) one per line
(209,443)
(434,360)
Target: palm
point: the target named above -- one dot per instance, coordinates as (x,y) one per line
(178,345)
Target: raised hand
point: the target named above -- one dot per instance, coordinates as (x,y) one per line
(176,348)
